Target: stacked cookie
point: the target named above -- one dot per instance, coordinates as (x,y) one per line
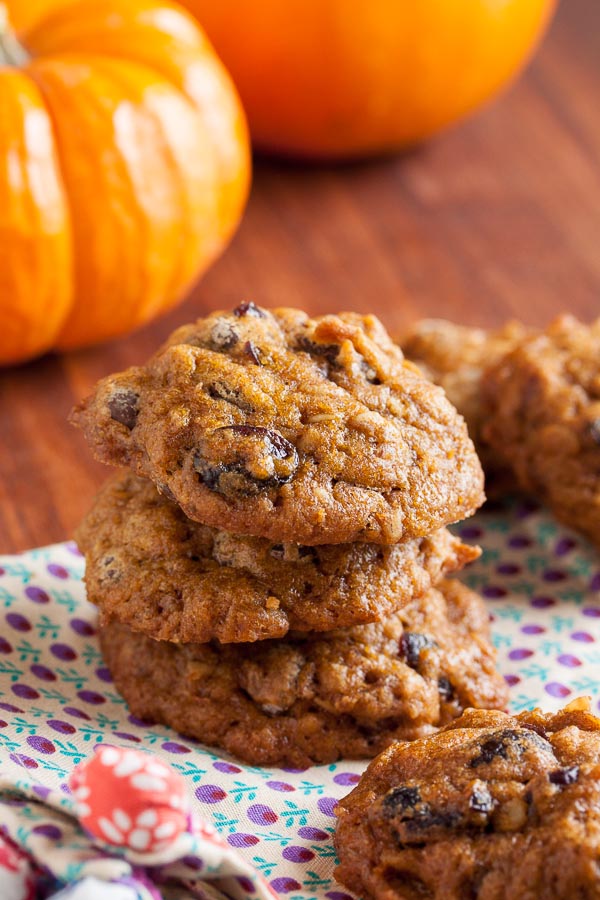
(272,571)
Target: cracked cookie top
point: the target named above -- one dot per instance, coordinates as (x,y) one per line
(315,431)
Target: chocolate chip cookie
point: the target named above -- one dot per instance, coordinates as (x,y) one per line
(313,431)
(542,404)
(313,699)
(493,807)
(153,569)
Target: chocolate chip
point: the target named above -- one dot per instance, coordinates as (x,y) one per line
(327,351)
(123,407)
(501,744)
(223,335)
(445,689)
(411,645)
(219,390)
(248,308)
(563,777)
(253,352)
(594,428)
(277,551)
(481,801)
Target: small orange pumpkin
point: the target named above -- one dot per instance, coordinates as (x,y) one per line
(344,78)
(124,170)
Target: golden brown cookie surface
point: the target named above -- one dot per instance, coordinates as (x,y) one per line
(455,357)
(151,568)
(493,807)
(312,431)
(543,419)
(314,699)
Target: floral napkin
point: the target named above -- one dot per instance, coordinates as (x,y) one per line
(248,832)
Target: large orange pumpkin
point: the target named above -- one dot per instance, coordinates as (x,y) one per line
(124,169)
(25,13)
(341,78)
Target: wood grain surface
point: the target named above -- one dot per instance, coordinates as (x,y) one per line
(498,218)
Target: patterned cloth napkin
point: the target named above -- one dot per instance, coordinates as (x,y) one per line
(57,706)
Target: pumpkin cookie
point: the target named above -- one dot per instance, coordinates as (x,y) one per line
(313,699)
(455,357)
(153,569)
(493,807)
(542,404)
(314,431)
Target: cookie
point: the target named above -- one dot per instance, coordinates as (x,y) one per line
(493,807)
(542,405)
(153,569)
(314,699)
(311,431)
(455,357)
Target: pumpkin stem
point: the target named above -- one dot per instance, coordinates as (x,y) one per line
(12,52)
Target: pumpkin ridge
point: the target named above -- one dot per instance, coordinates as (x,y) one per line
(181,280)
(38,300)
(77,317)
(157,228)
(187,61)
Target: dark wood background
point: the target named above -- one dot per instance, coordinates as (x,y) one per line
(498,218)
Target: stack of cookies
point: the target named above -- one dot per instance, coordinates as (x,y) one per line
(271,571)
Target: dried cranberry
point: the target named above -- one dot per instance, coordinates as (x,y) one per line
(123,407)
(445,689)
(248,308)
(327,351)
(219,390)
(401,799)
(502,742)
(411,646)
(253,352)
(223,335)
(563,777)
(238,449)
(412,816)
(279,447)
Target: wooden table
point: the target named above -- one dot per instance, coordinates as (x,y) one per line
(498,218)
